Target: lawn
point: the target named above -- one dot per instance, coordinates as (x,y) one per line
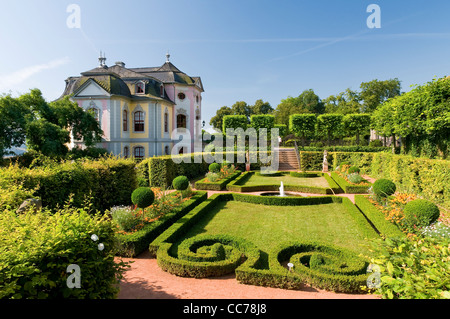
(267,226)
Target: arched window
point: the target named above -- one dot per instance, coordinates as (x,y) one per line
(126,152)
(166,150)
(181,121)
(139,121)
(166,123)
(140,88)
(139,152)
(125,120)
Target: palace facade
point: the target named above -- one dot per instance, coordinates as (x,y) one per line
(143,112)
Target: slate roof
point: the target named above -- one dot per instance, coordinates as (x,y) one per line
(118,80)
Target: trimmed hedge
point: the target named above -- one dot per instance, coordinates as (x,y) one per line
(131,245)
(109,182)
(348,187)
(203,255)
(216,186)
(384,227)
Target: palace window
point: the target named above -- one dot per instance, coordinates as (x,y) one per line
(139,121)
(139,152)
(166,123)
(125,120)
(181,96)
(166,150)
(126,152)
(181,121)
(161,90)
(140,88)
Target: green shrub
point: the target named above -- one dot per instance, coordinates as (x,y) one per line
(214,167)
(353,169)
(413,268)
(384,188)
(355,178)
(143,197)
(420,213)
(180,183)
(34,261)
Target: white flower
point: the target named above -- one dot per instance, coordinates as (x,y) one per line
(94,237)
(101,246)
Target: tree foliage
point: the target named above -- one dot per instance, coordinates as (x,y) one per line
(45,127)
(12,124)
(421,117)
(306,102)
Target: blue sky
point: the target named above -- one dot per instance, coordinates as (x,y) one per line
(243,50)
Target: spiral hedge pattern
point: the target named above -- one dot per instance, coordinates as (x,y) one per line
(207,256)
(318,265)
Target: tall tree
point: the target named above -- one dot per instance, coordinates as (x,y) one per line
(347,102)
(306,102)
(48,125)
(260,107)
(12,124)
(217,121)
(375,92)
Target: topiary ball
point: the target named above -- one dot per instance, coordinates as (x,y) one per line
(180,183)
(353,169)
(421,213)
(384,188)
(143,197)
(214,167)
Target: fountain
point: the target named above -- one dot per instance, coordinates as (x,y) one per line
(282,193)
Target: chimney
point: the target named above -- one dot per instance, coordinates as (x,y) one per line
(120,63)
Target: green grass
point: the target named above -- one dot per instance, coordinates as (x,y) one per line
(287,180)
(267,226)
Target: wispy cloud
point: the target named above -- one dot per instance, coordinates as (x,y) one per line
(8,81)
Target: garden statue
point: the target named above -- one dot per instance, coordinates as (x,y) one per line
(325,161)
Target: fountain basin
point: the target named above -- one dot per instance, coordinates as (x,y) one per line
(278,194)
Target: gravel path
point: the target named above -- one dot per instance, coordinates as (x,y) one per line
(145,280)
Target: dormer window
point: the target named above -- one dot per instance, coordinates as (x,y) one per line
(161,90)
(140,88)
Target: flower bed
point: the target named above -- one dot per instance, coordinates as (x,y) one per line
(348,187)
(132,244)
(218,185)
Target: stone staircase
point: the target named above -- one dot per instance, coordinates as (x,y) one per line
(287,160)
